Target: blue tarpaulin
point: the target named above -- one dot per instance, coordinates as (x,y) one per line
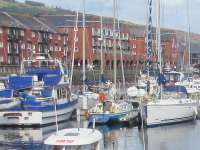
(43,71)
(51,80)
(20,82)
(7,93)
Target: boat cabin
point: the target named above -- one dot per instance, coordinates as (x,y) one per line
(174,76)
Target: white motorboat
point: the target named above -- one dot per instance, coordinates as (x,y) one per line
(75,138)
(169,111)
(172,104)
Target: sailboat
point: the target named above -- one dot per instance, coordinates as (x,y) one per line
(191,83)
(172,105)
(27,99)
(87,99)
(112,109)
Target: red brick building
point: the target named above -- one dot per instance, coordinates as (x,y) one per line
(21,36)
(93,40)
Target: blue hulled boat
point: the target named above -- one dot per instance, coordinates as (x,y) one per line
(30,99)
(110,111)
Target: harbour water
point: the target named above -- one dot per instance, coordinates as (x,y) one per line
(183,136)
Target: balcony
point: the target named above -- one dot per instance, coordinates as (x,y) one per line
(95,33)
(14,37)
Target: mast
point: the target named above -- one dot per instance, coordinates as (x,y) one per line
(121,51)
(188,33)
(84,30)
(101,20)
(149,33)
(114,43)
(74,47)
(159,50)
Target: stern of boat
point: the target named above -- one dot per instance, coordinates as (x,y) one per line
(22,118)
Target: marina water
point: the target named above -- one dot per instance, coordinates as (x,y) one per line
(116,137)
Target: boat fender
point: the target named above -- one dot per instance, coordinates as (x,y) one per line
(112,109)
(87,115)
(101,98)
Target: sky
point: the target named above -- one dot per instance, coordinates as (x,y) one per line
(173,12)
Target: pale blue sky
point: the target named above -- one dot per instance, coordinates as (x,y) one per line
(173,11)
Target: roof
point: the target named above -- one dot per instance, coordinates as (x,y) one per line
(32,23)
(67,20)
(23,22)
(7,21)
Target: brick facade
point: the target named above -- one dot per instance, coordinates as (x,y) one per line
(22,36)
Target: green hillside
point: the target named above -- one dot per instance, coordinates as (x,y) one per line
(22,8)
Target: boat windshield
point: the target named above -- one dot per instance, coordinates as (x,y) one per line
(172,76)
(176,95)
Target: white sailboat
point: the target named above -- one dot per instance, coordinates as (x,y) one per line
(168,108)
(191,83)
(87,99)
(112,109)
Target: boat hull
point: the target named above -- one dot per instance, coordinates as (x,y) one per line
(158,115)
(36,117)
(104,118)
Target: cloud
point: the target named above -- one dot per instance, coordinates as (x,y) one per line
(174,2)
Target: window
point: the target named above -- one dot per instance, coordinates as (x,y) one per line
(16,60)
(9,48)
(99,31)
(56,48)
(1,58)
(111,33)
(23,46)
(51,48)
(1,30)
(50,36)
(8,31)
(59,37)
(1,44)
(33,47)
(33,35)
(93,31)
(60,48)
(9,60)
(29,46)
(22,33)
(134,46)
(16,47)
